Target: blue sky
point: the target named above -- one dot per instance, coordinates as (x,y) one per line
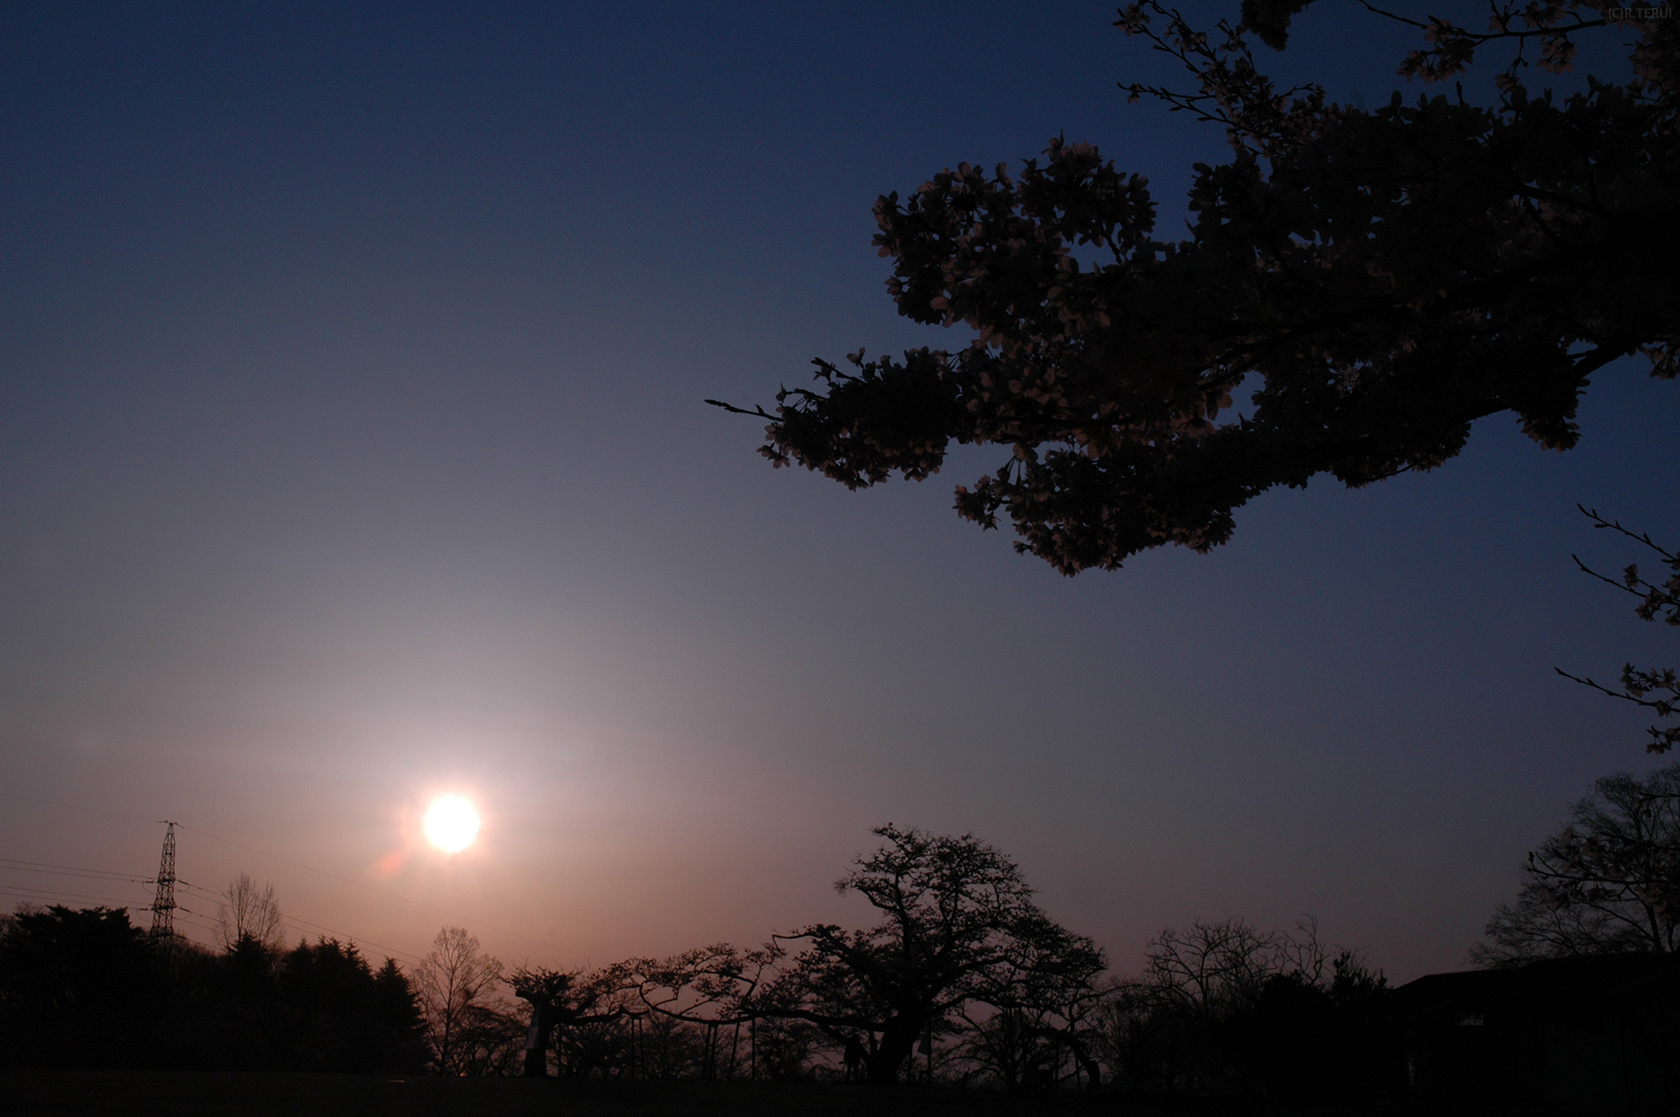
(352,450)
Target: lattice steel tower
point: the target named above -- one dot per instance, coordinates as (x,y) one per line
(163,905)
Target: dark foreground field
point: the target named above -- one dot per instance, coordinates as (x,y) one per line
(133,1093)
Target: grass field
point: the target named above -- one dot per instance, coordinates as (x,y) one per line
(134,1093)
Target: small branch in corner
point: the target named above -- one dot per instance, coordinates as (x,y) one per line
(755,410)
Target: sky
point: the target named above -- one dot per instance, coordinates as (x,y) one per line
(353,451)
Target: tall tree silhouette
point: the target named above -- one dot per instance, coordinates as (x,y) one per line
(958,923)
(470,1029)
(957,917)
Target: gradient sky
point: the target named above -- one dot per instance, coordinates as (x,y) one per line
(352,450)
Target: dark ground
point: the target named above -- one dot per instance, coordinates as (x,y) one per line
(141,1093)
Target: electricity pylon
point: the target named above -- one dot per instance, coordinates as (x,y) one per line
(163,905)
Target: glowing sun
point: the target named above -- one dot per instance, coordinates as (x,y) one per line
(450,823)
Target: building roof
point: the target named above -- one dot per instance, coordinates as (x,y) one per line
(1604,977)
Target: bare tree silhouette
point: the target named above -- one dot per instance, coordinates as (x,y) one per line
(246,910)
(1607,882)
(469,1028)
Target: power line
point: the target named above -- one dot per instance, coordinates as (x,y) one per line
(351,940)
(28,892)
(293,923)
(295,919)
(202,922)
(8,864)
(77,807)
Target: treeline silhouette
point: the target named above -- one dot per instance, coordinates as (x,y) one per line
(1220,1006)
(87,988)
(962,981)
